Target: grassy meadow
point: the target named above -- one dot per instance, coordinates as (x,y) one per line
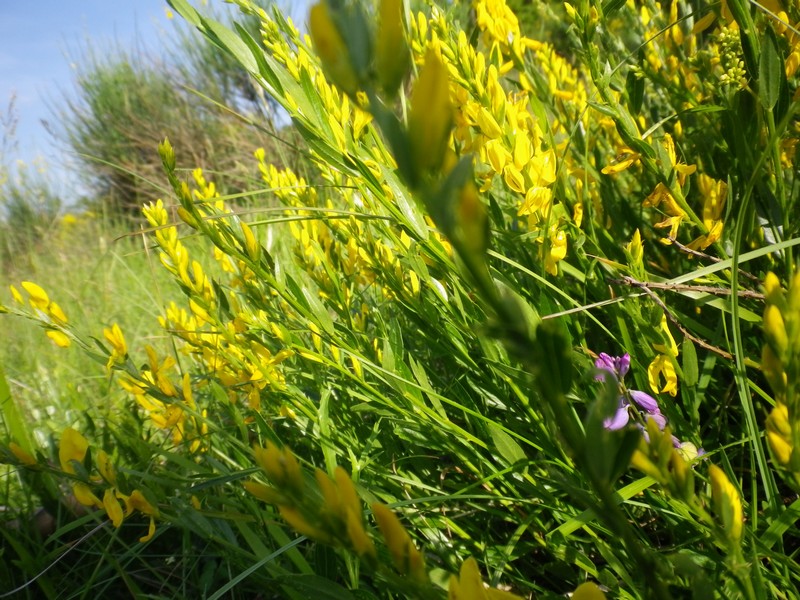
(504,305)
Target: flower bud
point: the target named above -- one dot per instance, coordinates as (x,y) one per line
(772,368)
(392,55)
(431,115)
(332,49)
(727,503)
(775,330)
(779,433)
(407,559)
(772,290)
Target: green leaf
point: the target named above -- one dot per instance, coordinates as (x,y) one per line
(611,6)
(314,586)
(634,85)
(689,364)
(781,525)
(228,40)
(770,70)
(506,446)
(185,10)
(12,418)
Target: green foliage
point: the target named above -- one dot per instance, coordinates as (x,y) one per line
(125,102)
(488,339)
(28,203)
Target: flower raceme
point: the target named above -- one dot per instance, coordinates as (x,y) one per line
(641,403)
(72,452)
(617,367)
(48,312)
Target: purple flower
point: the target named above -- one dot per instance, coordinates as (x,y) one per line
(644,401)
(618,366)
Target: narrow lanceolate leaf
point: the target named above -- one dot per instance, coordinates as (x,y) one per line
(770,70)
(690,370)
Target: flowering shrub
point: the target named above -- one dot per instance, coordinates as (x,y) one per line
(494,236)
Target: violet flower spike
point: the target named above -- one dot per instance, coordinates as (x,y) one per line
(644,401)
(618,366)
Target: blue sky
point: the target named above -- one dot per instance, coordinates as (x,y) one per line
(38,41)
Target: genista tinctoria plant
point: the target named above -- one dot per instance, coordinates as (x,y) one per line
(507,320)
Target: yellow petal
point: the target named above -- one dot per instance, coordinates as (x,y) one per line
(59,338)
(73,446)
(39,298)
(151,530)
(113,507)
(84,495)
(21,454)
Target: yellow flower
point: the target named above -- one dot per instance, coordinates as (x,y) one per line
(16,295)
(727,503)
(676,215)
(714,196)
(73,446)
(119,349)
(151,530)
(557,250)
(682,170)
(22,455)
(670,347)
(588,591)
(59,338)
(85,496)
(113,507)
(137,501)
(662,367)
(621,163)
(281,467)
(407,559)
(39,298)
(775,330)
(468,585)
(264,492)
(779,433)
(635,249)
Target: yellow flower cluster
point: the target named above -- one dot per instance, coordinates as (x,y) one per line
(169,408)
(332,514)
(329,237)
(71,454)
(496,125)
(225,345)
(662,195)
(662,367)
(780,360)
(47,311)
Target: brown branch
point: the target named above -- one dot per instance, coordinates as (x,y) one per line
(645,287)
(698,254)
(678,287)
